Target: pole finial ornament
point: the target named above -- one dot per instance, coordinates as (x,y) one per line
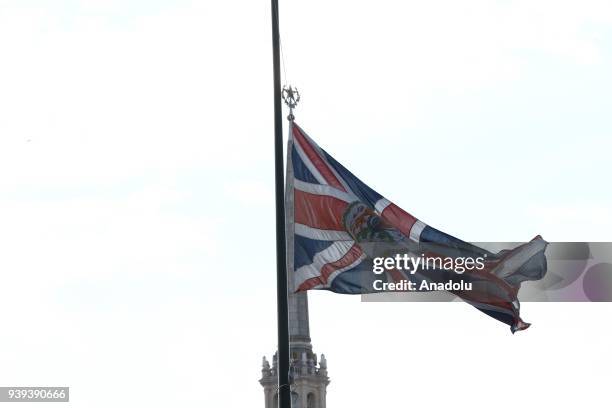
(291,96)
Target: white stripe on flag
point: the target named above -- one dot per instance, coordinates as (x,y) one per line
(320,234)
(332,253)
(320,189)
(308,163)
(381,205)
(415,231)
(346,268)
(324,157)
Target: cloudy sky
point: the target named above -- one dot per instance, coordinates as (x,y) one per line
(136,191)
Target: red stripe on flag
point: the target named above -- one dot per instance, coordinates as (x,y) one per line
(316,160)
(398,218)
(396,275)
(319,211)
(351,256)
(310,283)
(328,269)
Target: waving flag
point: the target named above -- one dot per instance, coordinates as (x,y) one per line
(337,225)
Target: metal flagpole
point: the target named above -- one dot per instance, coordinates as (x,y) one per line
(284,392)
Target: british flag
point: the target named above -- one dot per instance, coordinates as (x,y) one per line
(325,253)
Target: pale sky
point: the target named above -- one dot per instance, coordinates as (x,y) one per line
(136,192)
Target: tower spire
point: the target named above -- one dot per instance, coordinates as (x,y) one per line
(308,378)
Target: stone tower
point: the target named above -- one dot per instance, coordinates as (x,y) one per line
(308,375)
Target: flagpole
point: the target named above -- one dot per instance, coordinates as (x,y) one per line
(284,393)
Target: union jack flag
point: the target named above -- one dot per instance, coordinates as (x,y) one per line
(323,203)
